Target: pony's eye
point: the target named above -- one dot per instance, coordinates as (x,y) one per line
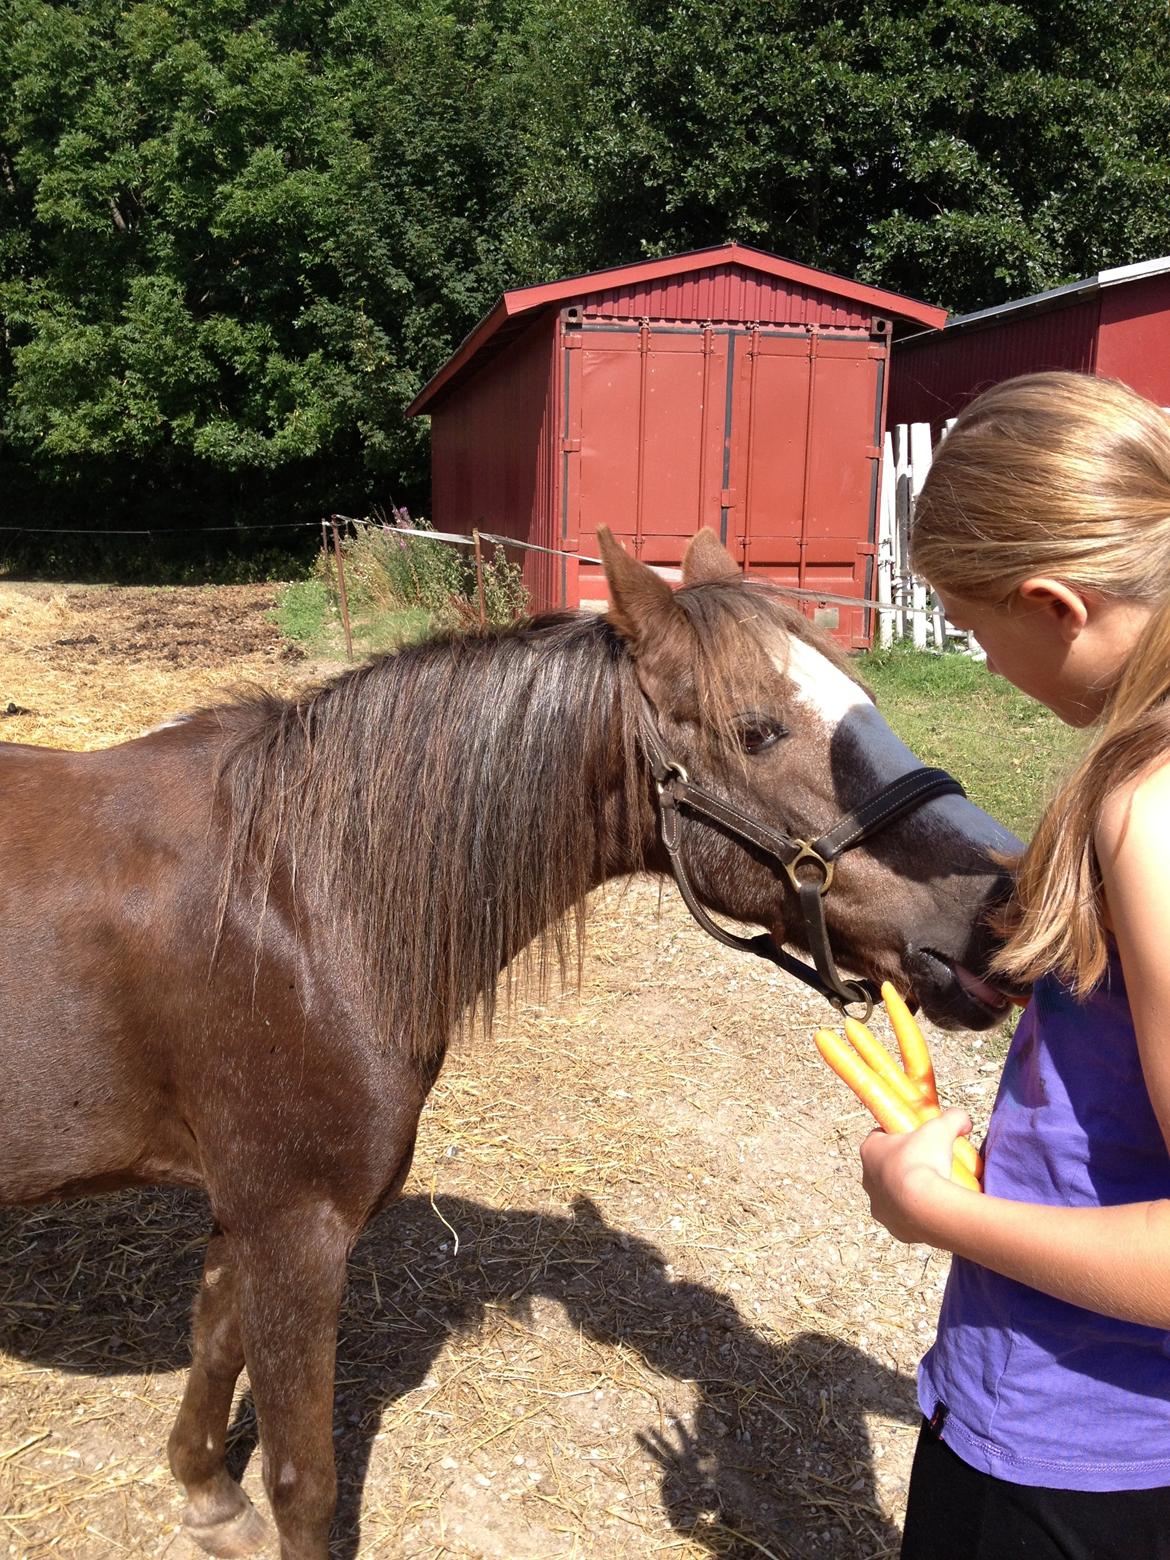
(757,733)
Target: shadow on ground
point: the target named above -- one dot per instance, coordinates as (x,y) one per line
(775,1456)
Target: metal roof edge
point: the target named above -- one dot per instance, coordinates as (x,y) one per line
(1112,277)
(1134,272)
(1087,285)
(527,300)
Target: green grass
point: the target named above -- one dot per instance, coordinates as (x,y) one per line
(1008,751)
(308,614)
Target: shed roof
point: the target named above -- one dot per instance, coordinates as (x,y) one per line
(1053,298)
(515,309)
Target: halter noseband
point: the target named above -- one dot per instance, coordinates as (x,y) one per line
(809,865)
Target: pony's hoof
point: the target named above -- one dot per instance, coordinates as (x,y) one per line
(242,1534)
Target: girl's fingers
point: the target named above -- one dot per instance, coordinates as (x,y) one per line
(966,1164)
(915,1055)
(965,1151)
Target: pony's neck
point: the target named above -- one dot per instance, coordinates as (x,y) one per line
(448,808)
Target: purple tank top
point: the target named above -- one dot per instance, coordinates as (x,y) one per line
(1025,1387)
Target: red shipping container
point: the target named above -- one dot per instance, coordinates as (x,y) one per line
(726,388)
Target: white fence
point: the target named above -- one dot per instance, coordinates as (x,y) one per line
(909,608)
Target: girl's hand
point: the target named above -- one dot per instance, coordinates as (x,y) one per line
(907,1175)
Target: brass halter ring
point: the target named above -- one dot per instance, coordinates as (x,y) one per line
(807,853)
(674,771)
(863,997)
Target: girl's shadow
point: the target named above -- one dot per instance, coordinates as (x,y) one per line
(776,1458)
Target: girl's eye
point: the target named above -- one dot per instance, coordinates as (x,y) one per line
(757,733)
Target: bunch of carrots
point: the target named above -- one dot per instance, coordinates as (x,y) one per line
(900,1098)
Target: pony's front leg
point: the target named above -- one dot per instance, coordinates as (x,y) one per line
(292,1273)
(219,1516)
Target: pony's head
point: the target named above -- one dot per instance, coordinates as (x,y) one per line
(766,713)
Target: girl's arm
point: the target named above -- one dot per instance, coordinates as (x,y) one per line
(1111,1260)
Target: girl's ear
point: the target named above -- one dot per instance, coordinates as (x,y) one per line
(1067,608)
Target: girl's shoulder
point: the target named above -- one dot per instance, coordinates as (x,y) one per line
(1135,813)
(1132,846)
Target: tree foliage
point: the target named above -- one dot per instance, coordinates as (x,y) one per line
(236,237)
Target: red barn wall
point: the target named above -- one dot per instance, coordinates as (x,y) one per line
(1133,344)
(492,452)
(933,377)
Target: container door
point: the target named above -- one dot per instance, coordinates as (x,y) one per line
(805,457)
(644,437)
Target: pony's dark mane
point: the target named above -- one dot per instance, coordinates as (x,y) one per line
(461,784)
(455,785)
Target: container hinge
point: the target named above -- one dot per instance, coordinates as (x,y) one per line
(727,498)
(571,446)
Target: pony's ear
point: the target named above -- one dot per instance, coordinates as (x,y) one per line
(644,612)
(707,560)
(641,604)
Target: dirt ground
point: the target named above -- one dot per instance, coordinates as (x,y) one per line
(631,1303)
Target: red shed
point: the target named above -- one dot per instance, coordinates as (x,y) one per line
(726,388)
(1116,324)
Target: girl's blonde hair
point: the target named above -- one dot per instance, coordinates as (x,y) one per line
(1068,476)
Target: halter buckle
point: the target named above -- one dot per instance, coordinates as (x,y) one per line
(671,771)
(807,853)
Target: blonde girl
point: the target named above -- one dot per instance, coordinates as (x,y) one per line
(1045,528)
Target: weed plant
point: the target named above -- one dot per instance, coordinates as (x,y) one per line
(387,568)
(399,587)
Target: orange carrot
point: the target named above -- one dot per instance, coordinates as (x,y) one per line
(874,1053)
(915,1056)
(889,1109)
(895,1097)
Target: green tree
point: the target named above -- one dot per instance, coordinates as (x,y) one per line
(962,152)
(237,236)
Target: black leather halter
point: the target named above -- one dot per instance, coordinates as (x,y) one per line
(809,865)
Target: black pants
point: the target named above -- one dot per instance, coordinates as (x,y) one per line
(955,1513)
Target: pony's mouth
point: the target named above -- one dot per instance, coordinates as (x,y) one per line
(952,995)
(980,990)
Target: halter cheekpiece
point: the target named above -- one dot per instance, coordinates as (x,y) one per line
(808,864)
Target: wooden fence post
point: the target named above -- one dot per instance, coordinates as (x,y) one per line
(886,554)
(479,577)
(341,588)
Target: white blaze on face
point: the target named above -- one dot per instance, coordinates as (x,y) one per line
(842,705)
(175,720)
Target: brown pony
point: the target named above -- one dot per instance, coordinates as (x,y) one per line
(232,952)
